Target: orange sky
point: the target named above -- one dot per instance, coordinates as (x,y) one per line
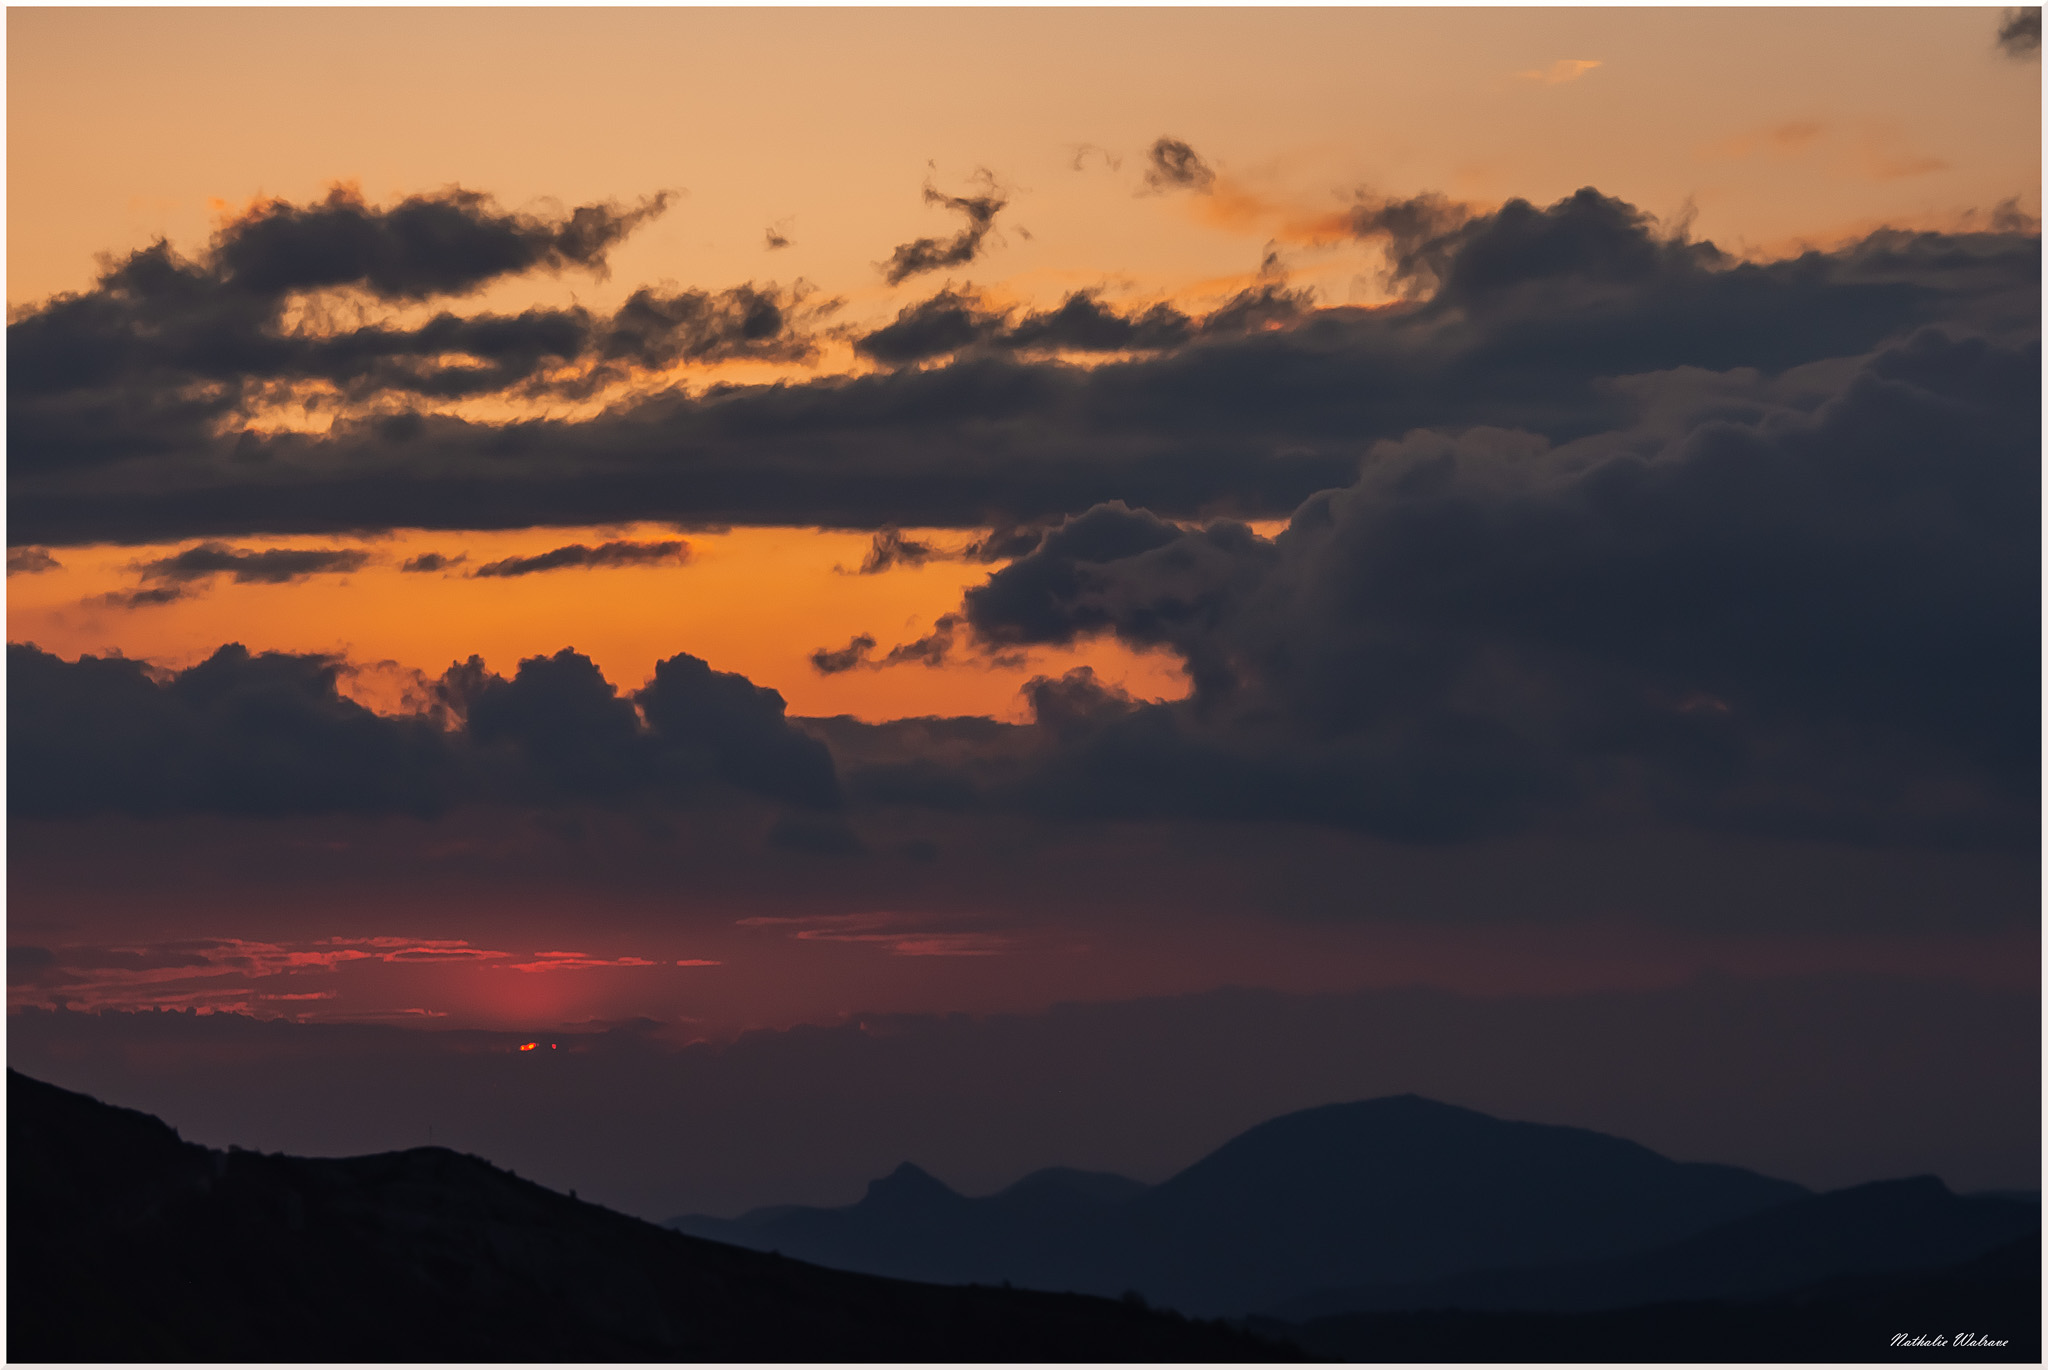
(753,600)
(1771,123)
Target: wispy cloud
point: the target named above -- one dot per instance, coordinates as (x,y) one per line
(576,960)
(1171,164)
(1787,139)
(896,933)
(2019,32)
(226,974)
(576,555)
(933,254)
(271,566)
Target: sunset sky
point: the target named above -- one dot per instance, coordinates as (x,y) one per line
(528,521)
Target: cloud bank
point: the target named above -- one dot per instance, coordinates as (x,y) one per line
(270,733)
(125,421)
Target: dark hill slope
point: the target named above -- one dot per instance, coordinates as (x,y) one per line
(127,1243)
(1889,1227)
(1995,1299)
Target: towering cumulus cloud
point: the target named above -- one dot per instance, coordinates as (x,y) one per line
(1805,605)
(270,733)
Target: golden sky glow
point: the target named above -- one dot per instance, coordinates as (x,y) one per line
(126,124)
(753,600)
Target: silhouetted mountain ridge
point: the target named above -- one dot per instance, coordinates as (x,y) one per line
(1384,1189)
(127,1243)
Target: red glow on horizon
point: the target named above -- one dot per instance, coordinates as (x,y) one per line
(528,1046)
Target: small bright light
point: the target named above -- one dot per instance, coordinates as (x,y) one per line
(528,1046)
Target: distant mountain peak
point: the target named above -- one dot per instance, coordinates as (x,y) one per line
(908,1184)
(1060,1180)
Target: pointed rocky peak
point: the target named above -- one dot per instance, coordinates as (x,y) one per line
(908,1186)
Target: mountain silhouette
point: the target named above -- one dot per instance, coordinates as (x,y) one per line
(1380,1191)
(1054,1229)
(1888,1227)
(126,1243)
(1987,1309)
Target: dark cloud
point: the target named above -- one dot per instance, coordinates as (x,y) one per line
(1580,245)
(1406,227)
(747,322)
(1042,597)
(1076,701)
(31,561)
(1005,543)
(1525,318)
(1171,164)
(742,728)
(2019,32)
(163,350)
(1806,606)
(776,238)
(933,649)
(272,566)
(151,598)
(2008,217)
(433,561)
(836,661)
(924,255)
(569,722)
(271,733)
(1267,303)
(1083,323)
(944,324)
(952,321)
(604,555)
(238,734)
(448,243)
(890,548)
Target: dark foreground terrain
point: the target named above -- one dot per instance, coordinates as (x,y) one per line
(127,1243)
(1995,1299)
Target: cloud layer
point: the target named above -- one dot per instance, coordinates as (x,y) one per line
(1600,524)
(164,354)
(125,400)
